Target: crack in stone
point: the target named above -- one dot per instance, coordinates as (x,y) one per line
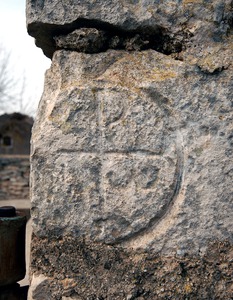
(92,40)
(90,36)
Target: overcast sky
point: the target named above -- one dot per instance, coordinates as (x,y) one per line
(25,58)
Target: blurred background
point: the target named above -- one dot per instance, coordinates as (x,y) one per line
(22,64)
(22,68)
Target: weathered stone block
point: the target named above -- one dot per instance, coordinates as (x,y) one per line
(133,150)
(78,270)
(167,26)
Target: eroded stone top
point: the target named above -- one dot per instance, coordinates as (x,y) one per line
(161,20)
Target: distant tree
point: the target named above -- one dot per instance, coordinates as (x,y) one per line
(12,87)
(7,83)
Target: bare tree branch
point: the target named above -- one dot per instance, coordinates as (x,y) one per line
(12,87)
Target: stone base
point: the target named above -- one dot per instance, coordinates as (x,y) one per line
(75,269)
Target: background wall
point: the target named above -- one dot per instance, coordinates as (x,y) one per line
(14,177)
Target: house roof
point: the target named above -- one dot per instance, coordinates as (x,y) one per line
(15,122)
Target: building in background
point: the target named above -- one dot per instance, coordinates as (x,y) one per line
(15,135)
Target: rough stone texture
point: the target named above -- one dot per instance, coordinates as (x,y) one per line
(91,40)
(127,14)
(74,269)
(161,22)
(88,40)
(133,148)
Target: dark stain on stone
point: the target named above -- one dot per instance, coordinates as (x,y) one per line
(95,36)
(99,271)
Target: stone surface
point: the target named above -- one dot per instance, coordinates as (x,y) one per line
(74,269)
(91,40)
(88,40)
(183,24)
(39,288)
(133,148)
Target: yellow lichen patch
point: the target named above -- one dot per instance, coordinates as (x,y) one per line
(160,75)
(188,288)
(186,2)
(66,127)
(217,60)
(134,70)
(59,115)
(73,83)
(68,283)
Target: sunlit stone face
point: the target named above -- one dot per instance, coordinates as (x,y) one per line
(117,163)
(123,158)
(126,167)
